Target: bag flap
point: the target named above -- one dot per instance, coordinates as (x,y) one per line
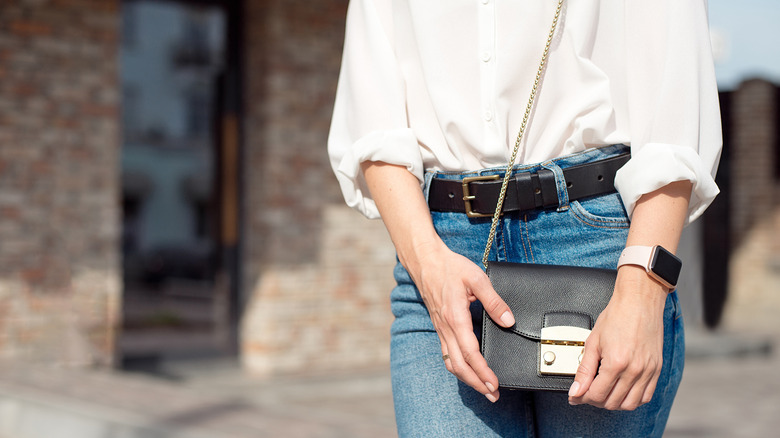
(534,291)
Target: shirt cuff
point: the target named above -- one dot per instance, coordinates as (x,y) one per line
(398,147)
(655,165)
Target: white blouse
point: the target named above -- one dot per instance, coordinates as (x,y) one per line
(443,84)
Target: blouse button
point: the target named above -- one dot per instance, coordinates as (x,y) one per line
(484,2)
(488,115)
(485,56)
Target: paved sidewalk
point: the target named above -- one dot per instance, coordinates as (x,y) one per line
(208,400)
(735,392)
(719,397)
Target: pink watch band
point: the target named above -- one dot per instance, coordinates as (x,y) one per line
(636,255)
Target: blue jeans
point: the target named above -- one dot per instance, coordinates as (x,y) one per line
(430,402)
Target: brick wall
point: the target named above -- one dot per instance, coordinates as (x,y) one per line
(318,275)
(754,199)
(59,276)
(754,185)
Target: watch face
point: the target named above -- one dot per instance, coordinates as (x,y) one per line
(666,265)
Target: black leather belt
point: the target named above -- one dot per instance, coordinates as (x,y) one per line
(477,196)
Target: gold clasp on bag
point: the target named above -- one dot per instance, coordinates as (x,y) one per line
(468,197)
(561,350)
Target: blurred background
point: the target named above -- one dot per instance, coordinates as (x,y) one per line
(172,239)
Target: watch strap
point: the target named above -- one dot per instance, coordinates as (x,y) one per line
(645,256)
(636,255)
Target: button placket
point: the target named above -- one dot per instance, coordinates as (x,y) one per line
(487,27)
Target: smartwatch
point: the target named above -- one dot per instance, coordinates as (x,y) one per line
(660,264)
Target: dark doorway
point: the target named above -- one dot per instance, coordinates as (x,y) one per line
(180,191)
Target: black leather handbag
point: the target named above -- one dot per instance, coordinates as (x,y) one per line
(555,307)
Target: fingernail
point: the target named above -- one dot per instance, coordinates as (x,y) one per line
(490,387)
(508,319)
(574,388)
(491,397)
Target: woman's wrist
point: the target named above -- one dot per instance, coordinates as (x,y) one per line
(634,283)
(412,254)
(658,219)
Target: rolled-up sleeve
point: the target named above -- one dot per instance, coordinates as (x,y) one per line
(369,116)
(672,102)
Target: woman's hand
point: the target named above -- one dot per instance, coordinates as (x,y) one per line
(624,352)
(449,283)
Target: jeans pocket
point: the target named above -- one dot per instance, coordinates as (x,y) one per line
(605,211)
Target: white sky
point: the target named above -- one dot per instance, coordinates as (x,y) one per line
(746,39)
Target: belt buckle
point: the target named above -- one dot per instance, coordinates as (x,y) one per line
(468,197)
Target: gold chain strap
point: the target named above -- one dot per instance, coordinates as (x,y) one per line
(502,194)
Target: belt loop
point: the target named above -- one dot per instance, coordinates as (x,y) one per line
(526,199)
(560,184)
(427,178)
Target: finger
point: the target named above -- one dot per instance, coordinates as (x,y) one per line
(633,399)
(619,392)
(459,329)
(586,372)
(604,383)
(651,385)
(469,348)
(440,326)
(463,371)
(444,353)
(633,379)
(647,373)
(494,306)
